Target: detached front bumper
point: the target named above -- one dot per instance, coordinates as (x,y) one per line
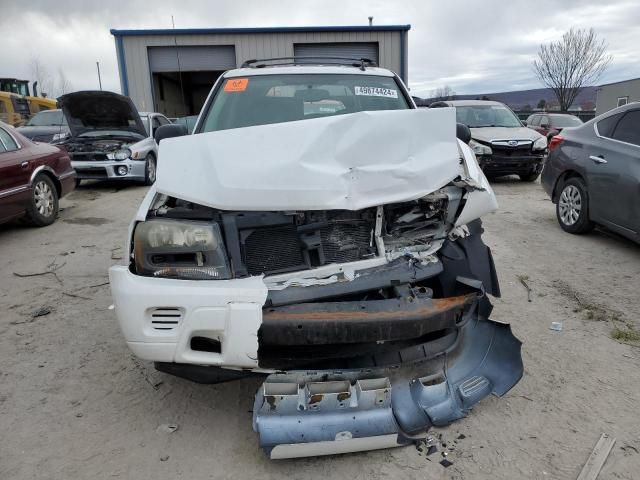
(310,413)
(108,170)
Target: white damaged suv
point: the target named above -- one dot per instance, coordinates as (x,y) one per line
(321,231)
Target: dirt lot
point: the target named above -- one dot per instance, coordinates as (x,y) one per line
(75,404)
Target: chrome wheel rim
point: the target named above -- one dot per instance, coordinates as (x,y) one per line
(44,200)
(570,205)
(151,170)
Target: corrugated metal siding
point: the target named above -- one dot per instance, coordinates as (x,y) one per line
(247,46)
(607,95)
(367,50)
(191,59)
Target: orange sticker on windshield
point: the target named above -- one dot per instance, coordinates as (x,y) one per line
(236,85)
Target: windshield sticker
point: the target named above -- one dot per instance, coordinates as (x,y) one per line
(236,85)
(376,92)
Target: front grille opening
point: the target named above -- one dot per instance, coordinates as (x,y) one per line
(204,344)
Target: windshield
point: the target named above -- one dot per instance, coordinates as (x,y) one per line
(566,121)
(478,116)
(52,118)
(265,99)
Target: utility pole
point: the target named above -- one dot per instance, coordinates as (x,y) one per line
(99,79)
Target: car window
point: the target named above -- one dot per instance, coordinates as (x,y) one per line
(7,141)
(155,123)
(606,125)
(51,118)
(478,116)
(266,99)
(628,128)
(566,121)
(163,120)
(544,120)
(535,120)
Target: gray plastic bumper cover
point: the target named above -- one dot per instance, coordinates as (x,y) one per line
(310,413)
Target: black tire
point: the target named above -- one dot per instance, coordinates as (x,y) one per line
(150,169)
(43,204)
(572,208)
(531,177)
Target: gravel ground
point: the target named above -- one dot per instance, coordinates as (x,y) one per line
(75,404)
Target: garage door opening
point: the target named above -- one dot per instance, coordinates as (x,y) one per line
(169,100)
(182,76)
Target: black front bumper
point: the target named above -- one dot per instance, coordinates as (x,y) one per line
(497,165)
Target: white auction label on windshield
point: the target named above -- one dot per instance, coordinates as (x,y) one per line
(376,92)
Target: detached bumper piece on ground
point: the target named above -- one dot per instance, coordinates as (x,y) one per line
(307,413)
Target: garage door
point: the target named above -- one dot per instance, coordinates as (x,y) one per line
(351,50)
(192,59)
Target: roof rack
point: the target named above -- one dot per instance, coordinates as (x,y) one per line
(360,63)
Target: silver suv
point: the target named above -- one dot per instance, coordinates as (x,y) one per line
(502,144)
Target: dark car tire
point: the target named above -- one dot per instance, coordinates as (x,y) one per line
(150,166)
(532,176)
(43,204)
(572,208)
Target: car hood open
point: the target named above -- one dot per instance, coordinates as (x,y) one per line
(488,134)
(95,110)
(351,162)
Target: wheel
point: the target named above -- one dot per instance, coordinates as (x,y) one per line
(572,209)
(149,169)
(532,176)
(43,205)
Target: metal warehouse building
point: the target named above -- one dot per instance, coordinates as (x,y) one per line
(151,62)
(612,95)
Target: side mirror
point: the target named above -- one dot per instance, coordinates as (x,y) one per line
(463,132)
(169,131)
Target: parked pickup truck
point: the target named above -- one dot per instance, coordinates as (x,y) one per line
(320,231)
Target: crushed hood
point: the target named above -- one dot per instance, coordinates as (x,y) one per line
(351,162)
(96,110)
(487,134)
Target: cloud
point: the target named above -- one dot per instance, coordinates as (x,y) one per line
(474,47)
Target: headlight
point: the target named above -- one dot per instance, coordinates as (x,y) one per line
(59,136)
(480,149)
(180,249)
(121,154)
(540,144)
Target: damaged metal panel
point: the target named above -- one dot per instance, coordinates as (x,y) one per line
(306,413)
(349,162)
(358,322)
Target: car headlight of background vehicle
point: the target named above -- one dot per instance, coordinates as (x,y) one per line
(121,154)
(540,144)
(180,249)
(480,149)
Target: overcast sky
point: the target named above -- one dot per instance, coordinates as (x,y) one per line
(475,47)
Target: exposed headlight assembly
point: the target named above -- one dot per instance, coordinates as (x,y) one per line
(480,149)
(540,144)
(121,154)
(187,250)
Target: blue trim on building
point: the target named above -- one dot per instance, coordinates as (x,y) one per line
(122,65)
(200,31)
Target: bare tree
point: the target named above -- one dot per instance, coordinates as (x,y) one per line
(442,93)
(575,61)
(64,85)
(40,74)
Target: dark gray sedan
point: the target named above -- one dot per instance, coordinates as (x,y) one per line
(592,173)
